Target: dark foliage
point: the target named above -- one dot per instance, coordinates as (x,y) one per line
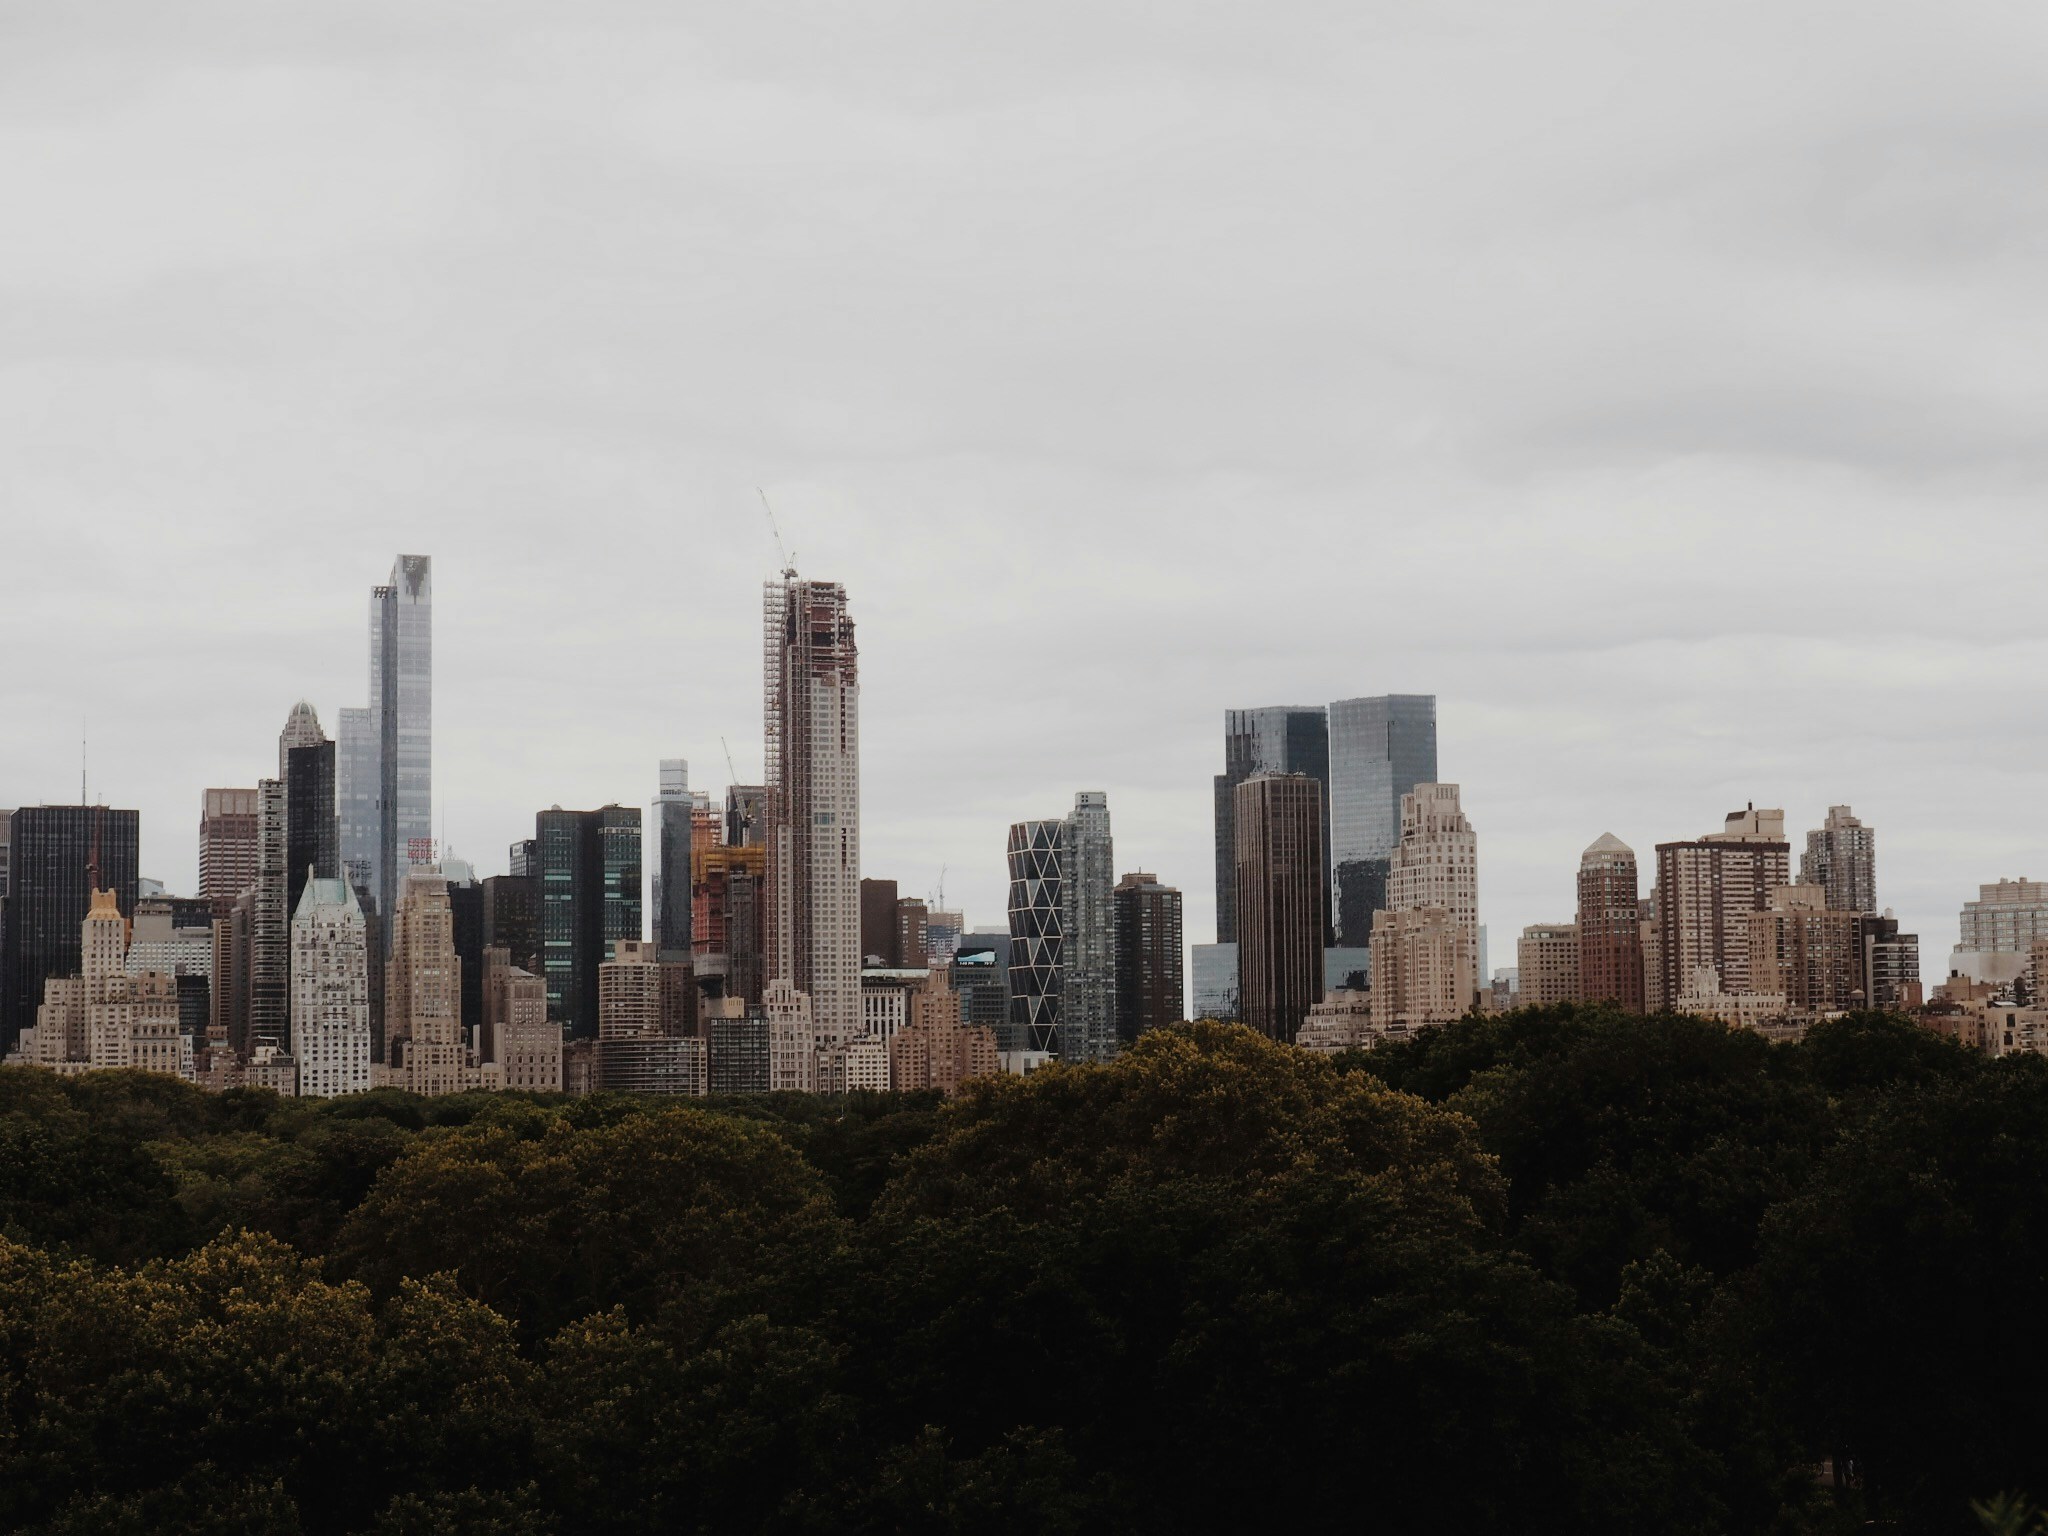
(1559,1271)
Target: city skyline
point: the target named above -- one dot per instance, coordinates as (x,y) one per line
(165,857)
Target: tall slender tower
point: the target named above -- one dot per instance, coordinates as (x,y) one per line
(812,728)
(674,813)
(1088,1000)
(1037,856)
(269,951)
(402,722)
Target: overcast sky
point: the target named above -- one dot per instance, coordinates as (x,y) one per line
(1662,387)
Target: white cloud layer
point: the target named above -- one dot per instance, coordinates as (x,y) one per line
(1662,387)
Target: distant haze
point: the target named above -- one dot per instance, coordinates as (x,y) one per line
(1662,387)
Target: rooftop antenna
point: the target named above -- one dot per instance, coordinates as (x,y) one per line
(82,799)
(787,557)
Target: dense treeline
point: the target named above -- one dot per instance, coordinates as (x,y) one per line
(1559,1271)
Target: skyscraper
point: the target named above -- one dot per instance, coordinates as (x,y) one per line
(422,998)
(355,797)
(1038,932)
(1706,890)
(589,900)
(812,729)
(1063,933)
(402,721)
(1841,858)
(1088,991)
(1610,925)
(1436,864)
(1279,738)
(268,954)
(1149,956)
(674,810)
(330,990)
(58,855)
(1381,748)
(227,847)
(312,831)
(1280,900)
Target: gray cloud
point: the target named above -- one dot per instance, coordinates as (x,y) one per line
(1659,386)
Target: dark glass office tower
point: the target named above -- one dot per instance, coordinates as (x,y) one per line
(1281,738)
(746,815)
(313,832)
(57,856)
(1380,749)
(466,922)
(589,900)
(512,918)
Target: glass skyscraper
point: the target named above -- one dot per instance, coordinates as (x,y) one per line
(1281,738)
(589,900)
(672,879)
(58,856)
(1379,750)
(402,722)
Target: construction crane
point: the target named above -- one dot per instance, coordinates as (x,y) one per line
(788,557)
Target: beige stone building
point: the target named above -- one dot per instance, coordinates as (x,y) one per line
(1342,1021)
(934,1051)
(792,1039)
(1436,865)
(1705,998)
(1424,968)
(517,1036)
(1547,964)
(423,992)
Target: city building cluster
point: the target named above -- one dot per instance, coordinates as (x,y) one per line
(331,948)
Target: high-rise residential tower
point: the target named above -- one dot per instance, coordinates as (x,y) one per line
(1706,890)
(589,900)
(268,955)
(1280,738)
(1281,895)
(402,722)
(1149,956)
(674,811)
(330,1031)
(1380,749)
(812,729)
(1841,858)
(1088,991)
(227,847)
(1610,925)
(1436,863)
(1547,964)
(58,855)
